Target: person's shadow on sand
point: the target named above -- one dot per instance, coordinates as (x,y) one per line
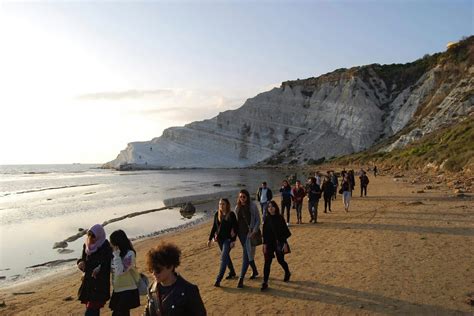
(357,300)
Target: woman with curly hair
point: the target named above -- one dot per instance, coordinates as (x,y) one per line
(170,293)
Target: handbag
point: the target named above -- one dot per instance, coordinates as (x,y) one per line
(283,249)
(256,239)
(280,246)
(142,282)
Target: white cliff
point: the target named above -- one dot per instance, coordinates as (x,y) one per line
(342,112)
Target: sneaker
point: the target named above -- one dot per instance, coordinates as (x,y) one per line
(264,286)
(287,277)
(230,276)
(241,283)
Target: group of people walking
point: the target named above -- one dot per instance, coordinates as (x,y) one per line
(104,263)
(245,223)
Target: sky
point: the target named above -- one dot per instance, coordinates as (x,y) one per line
(80,80)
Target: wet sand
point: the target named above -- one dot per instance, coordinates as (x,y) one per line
(396,252)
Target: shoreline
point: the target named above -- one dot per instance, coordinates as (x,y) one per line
(397,251)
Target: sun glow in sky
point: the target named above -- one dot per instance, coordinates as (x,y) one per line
(81,80)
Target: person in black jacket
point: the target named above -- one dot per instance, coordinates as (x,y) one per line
(285,191)
(224,231)
(314,194)
(328,191)
(364,182)
(275,234)
(170,294)
(94,291)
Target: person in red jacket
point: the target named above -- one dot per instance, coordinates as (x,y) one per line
(297,195)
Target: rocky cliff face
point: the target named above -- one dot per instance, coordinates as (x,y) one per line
(342,112)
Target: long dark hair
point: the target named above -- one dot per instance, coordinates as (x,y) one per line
(119,238)
(239,203)
(275,205)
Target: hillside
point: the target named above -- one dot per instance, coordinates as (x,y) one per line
(315,119)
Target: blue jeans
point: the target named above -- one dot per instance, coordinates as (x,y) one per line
(287,205)
(245,256)
(298,206)
(313,209)
(264,209)
(225,259)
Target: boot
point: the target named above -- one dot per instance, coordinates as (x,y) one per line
(241,283)
(254,270)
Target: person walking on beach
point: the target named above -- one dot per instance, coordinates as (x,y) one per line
(248,221)
(335,183)
(346,192)
(375,171)
(224,232)
(125,294)
(314,194)
(285,192)
(352,180)
(275,235)
(297,194)
(95,260)
(364,182)
(317,176)
(170,293)
(328,192)
(264,195)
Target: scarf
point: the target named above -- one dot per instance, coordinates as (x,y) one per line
(99,234)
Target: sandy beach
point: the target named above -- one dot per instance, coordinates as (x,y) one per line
(403,250)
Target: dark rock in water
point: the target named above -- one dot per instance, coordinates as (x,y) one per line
(64,251)
(188,210)
(216,185)
(60,244)
(2,277)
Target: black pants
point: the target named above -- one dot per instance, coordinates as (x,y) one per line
(363,189)
(287,205)
(268,263)
(121,312)
(327,203)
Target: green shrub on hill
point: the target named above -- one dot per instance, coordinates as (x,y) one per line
(452,147)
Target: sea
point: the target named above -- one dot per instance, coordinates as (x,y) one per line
(41,205)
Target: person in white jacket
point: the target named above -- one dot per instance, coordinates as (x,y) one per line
(125,294)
